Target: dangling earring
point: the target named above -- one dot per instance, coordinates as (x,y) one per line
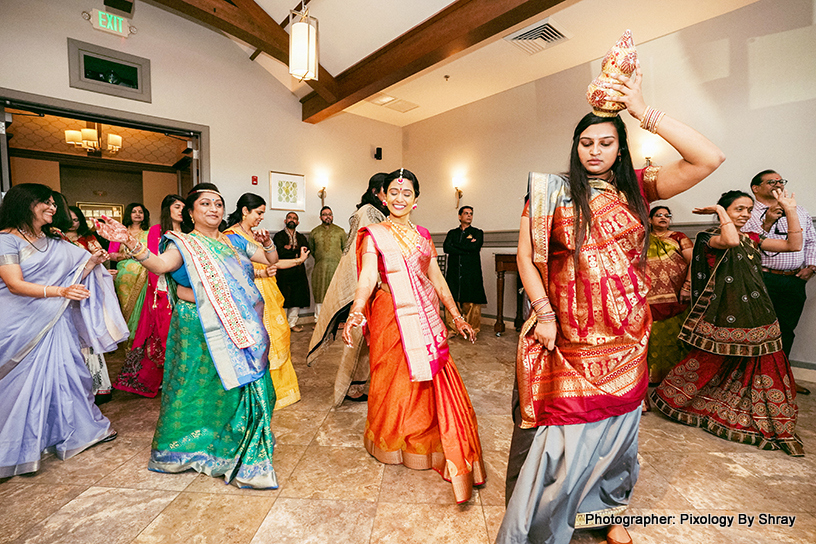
(385,203)
(414,207)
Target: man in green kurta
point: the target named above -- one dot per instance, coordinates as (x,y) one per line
(326,243)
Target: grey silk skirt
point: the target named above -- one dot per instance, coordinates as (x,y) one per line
(574,476)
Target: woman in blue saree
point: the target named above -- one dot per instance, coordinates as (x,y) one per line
(56,299)
(217,397)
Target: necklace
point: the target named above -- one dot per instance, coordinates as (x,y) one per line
(407,236)
(24,233)
(410,226)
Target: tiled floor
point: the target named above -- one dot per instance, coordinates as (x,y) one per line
(332,491)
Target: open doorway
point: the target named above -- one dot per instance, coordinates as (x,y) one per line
(98,157)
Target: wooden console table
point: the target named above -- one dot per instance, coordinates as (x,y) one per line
(506,263)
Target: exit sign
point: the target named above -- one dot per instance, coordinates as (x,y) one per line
(107,22)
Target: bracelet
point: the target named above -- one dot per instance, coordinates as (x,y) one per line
(458,317)
(546,317)
(270,247)
(794,231)
(136,249)
(726,223)
(45,293)
(141,259)
(651,119)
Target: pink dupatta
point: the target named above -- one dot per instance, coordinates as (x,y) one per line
(416,305)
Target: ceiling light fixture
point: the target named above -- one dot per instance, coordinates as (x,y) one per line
(303,45)
(90,139)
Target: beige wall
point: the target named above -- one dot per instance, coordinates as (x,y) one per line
(35,171)
(746,80)
(155,186)
(200,76)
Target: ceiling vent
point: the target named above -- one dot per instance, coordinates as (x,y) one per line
(397,104)
(539,36)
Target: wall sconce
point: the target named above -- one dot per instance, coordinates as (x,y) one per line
(322,194)
(458,192)
(303,47)
(648,162)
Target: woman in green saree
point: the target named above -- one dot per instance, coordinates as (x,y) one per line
(217,397)
(131,277)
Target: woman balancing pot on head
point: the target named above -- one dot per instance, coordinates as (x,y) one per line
(144,363)
(217,397)
(419,413)
(581,370)
(736,382)
(248,214)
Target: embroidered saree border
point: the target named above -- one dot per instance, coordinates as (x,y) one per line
(217,290)
(420,360)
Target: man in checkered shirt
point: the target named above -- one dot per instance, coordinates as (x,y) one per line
(785,273)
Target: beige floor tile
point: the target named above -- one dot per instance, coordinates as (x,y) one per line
(133,415)
(342,429)
(101,515)
(495,432)
(312,399)
(296,428)
(204,518)
(423,523)
(696,475)
(492,493)
(25,504)
(491,403)
(135,475)
(92,465)
(493,518)
(654,491)
(302,521)
(330,472)
(659,433)
(404,485)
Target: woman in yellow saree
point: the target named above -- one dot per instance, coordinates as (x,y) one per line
(248,215)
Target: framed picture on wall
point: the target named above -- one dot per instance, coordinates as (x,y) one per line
(95,210)
(287,191)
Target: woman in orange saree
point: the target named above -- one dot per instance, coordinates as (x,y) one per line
(419,412)
(581,366)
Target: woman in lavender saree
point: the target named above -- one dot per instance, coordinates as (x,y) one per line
(217,396)
(56,299)
(419,413)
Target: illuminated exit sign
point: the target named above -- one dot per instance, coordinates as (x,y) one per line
(107,22)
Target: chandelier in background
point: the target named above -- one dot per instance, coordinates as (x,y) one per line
(90,139)
(303,45)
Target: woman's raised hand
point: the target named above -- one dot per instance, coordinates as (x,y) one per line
(631,93)
(99,256)
(708,210)
(111,229)
(262,237)
(785,200)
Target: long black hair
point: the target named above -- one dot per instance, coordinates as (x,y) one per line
(728,197)
(187,224)
(403,173)
(625,180)
(165,220)
(127,220)
(62,218)
(83,229)
(250,201)
(17,209)
(375,185)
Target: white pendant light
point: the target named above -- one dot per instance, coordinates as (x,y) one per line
(303,45)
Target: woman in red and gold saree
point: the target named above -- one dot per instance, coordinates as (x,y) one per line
(736,382)
(581,367)
(419,412)
(667,263)
(143,369)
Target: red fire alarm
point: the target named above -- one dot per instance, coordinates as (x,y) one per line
(254,180)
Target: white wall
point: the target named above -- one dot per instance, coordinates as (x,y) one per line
(200,76)
(746,80)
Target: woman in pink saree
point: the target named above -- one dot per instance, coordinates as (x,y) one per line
(419,413)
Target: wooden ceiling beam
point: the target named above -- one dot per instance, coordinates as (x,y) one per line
(459,26)
(248,22)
